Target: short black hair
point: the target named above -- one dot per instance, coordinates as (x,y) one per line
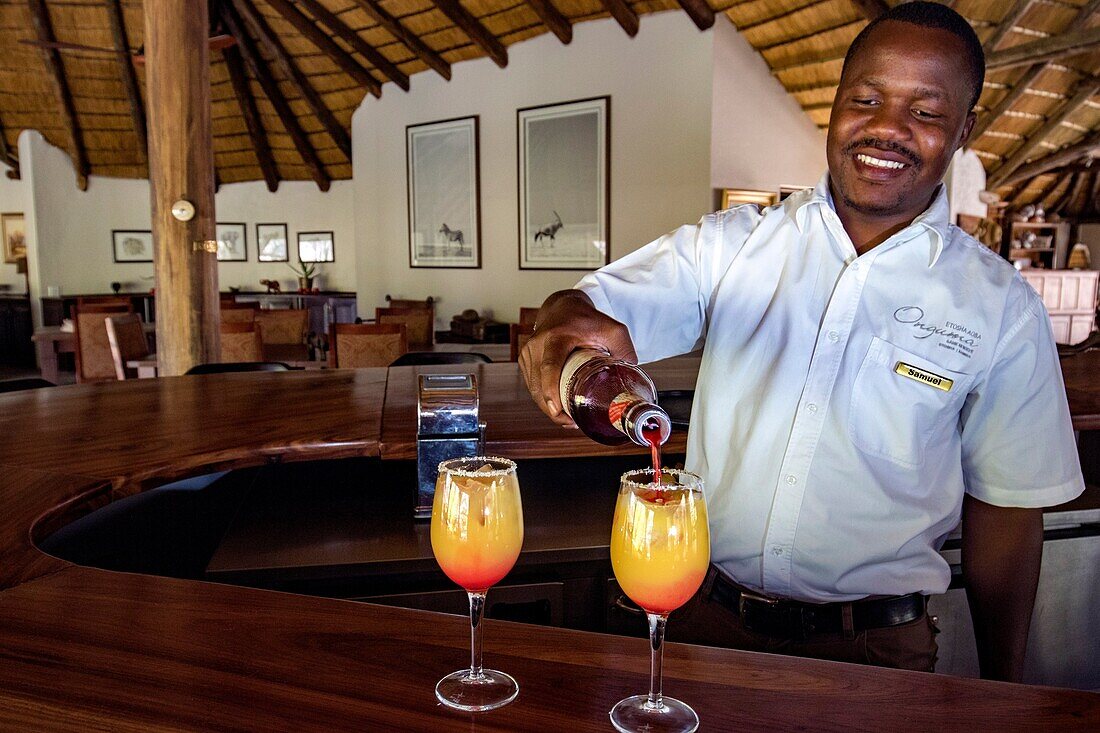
(931,15)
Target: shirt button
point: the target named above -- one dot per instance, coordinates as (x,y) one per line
(777,551)
(834,336)
(792,479)
(812,407)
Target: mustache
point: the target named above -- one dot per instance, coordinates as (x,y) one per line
(890,145)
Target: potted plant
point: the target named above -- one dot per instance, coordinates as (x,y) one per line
(305,272)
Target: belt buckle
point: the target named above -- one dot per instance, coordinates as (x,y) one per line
(750,596)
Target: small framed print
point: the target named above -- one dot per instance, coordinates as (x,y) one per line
(232,242)
(738,196)
(444,199)
(132,245)
(565,185)
(271,243)
(15,237)
(316,247)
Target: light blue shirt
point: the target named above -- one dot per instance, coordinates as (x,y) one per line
(846,403)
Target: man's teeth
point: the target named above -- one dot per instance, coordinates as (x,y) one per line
(879,163)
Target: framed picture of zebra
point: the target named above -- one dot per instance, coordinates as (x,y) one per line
(565,185)
(444,184)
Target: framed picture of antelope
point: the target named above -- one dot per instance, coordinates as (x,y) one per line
(565,185)
(444,181)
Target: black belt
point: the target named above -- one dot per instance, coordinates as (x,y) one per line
(797,620)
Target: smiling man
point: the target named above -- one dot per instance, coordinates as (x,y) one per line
(868,374)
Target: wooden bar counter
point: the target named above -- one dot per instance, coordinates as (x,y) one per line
(88,649)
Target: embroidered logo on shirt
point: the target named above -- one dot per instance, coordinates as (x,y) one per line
(922,376)
(950,336)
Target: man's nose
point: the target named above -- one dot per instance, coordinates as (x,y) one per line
(889,122)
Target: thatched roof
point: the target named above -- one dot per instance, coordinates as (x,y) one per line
(284,88)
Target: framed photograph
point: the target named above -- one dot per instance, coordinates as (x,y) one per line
(738,196)
(316,247)
(565,185)
(15,238)
(271,243)
(232,242)
(444,193)
(132,245)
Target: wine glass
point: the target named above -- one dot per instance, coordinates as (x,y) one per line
(477,532)
(660,552)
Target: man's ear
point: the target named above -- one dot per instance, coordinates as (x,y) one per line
(968,128)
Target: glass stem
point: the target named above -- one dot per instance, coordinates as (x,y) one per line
(477,610)
(656,642)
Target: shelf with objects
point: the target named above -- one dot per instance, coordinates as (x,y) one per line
(1038,244)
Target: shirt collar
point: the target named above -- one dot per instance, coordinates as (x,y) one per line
(934,219)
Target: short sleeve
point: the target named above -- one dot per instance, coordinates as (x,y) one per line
(1017,439)
(660,292)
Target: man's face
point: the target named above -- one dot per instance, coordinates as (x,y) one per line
(901,111)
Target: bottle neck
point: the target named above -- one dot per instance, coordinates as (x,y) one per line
(643,421)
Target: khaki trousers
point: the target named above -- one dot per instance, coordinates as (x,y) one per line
(906,646)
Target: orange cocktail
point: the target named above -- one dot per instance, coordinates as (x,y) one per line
(477,527)
(660,545)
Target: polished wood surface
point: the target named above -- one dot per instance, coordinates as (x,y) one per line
(85,649)
(515,426)
(181,166)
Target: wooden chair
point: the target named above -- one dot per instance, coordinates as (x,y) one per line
(94,362)
(126,337)
(354,345)
(239,312)
(518,336)
(103,304)
(283,326)
(241,342)
(426,304)
(527,317)
(418,322)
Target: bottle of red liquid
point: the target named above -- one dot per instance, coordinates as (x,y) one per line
(612,401)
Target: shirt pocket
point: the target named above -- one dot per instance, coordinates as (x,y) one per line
(893,416)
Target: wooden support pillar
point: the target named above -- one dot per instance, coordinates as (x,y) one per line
(181,166)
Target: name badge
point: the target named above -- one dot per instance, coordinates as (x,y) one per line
(922,376)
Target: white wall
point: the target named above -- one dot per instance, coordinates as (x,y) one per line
(75,226)
(14,197)
(690,111)
(760,137)
(659,83)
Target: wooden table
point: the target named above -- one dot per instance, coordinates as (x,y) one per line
(84,649)
(1081,373)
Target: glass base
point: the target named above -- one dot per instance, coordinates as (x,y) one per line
(634,715)
(491,690)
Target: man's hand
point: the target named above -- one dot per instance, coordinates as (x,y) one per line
(566,322)
(1001,552)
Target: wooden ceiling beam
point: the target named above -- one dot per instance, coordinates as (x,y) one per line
(254,21)
(407,37)
(129,77)
(40,17)
(320,39)
(1086,91)
(473,28)
(623,14)
(1047,190)
(1054,160)
(871,9)
(1046,49)
(1017,91)
(1028,78)
(353,39)
(558,24)
(251,115)
(1007,24)
(278,101)
(1060,202)
(699,11)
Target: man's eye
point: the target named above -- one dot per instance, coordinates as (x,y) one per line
(866,101)
(926,114)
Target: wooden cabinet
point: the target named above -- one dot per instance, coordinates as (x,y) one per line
(1070,297)
(1045,244)
(16,348)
